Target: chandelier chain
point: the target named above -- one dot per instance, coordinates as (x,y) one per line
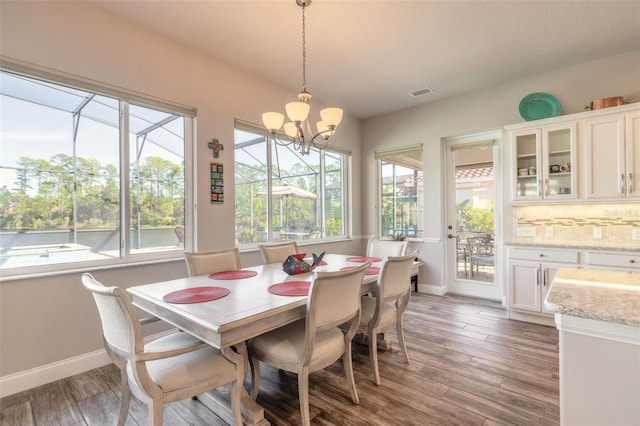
(298,131)
(304,52)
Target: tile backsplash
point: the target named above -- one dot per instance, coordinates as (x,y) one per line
(616,225)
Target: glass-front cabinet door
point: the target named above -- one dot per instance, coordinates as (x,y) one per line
(558,145)
(527,149)
(545,160)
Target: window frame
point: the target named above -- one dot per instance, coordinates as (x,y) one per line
(402,157)
(345,187)
(125,257)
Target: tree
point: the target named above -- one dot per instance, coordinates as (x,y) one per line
(44,192)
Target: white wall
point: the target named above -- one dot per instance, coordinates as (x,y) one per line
(484,110)
(48,320)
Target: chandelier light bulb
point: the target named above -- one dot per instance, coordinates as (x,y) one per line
(322,127)
(297,111)
(290,129)
(272,121)
(331,116)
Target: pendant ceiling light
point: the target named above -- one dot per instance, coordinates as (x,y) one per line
(298,131)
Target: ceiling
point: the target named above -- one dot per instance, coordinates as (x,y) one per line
(366,56)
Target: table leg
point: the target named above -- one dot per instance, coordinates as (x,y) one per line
(219,402)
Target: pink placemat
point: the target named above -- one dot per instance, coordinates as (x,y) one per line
(290,288)
(196,295)
(371,270)
(310,262)
(233,275)
(363,259)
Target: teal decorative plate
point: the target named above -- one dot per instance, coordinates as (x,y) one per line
(539,105)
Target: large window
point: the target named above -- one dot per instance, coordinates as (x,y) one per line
(87,177)
(281,195)
(401,196)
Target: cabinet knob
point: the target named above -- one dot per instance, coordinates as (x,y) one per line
(541,255)
(632,261)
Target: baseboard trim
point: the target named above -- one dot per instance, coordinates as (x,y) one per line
(541,319)
(39,376)
(44,374)
(436,290)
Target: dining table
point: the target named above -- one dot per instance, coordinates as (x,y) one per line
(227,309)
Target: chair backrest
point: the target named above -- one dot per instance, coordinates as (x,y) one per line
(395,276)
(179,231)
(120,327)
(262,234)
(334,298)
(278,253)
(204,263)
(386,248)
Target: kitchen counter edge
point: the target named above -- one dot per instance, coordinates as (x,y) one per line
(598,295)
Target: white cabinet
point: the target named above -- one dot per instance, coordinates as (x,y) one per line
(614,261)
(612,156)
(531,271)
(544,163)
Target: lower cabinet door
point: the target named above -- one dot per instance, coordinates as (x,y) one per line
(524,286)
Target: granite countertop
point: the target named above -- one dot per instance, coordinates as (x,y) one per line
(599,295)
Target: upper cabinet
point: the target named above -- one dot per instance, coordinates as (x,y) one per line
(592,155)
(612,156)
(545,162)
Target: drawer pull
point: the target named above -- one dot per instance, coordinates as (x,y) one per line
(541,255)
(632,261)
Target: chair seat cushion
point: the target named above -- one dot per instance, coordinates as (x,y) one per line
(286,344)
(368,308)
(183,371)
(171,342)
(482,260)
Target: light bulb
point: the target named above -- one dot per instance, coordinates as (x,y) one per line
(331,116)
(297,111)
(273,121)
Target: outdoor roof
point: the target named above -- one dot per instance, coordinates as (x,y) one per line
(103,109)
(474,172)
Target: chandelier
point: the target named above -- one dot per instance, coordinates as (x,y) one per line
(298,131)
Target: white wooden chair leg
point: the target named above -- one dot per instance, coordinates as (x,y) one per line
(303,395)
(125,392)
(348,371)
(373,355)
(155,412)
(403,346)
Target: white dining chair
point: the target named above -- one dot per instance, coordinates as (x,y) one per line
(317,341)
(384,248)
(278,253)
(209,262)
(171,368)
(386,307)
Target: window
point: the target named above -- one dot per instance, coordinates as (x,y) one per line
(306,199)
(79,168)
(401,192)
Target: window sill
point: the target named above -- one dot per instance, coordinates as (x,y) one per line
(71,269)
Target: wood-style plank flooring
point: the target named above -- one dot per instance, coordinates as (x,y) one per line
(470,365)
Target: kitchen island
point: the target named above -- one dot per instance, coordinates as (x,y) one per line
(598,316)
